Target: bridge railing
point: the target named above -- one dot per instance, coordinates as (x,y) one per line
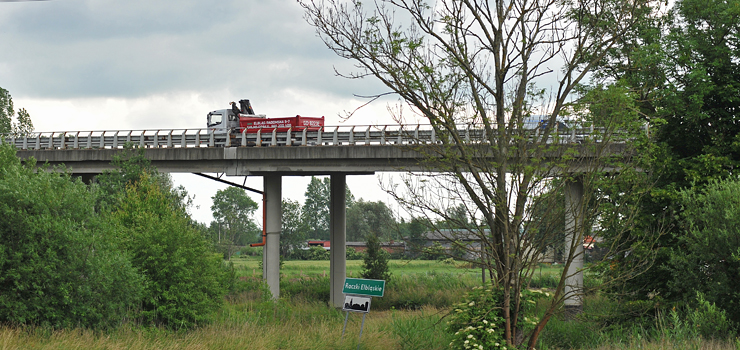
(327,136)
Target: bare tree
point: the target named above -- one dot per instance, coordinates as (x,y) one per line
(476,71)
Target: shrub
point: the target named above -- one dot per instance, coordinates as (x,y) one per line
(59,264)
(477,322)
(184,279)
(375,264)
(318,253)
(709,321)
(250,251)
(352,254)
(435,252)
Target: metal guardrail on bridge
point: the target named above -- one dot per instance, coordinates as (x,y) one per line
(327,136)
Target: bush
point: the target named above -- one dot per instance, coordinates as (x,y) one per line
(318,253)
(709,321)
(477,322)
(435,252)
(184,279)
(60,266)
(707,256)
(474,322)
(250,251)
(375,264)
(352,254)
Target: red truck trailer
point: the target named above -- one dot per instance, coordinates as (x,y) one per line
(253,124)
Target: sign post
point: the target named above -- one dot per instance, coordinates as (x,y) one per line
(358,293)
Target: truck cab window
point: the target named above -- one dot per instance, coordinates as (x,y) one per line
(214,119)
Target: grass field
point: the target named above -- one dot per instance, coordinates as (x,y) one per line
(250,265)
(410,316)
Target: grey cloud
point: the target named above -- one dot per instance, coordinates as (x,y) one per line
(137,48)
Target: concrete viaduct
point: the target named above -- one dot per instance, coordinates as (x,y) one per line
(336,152)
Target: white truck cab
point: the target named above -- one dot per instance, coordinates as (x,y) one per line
(222,120)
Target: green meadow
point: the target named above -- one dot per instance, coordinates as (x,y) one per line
(411,315)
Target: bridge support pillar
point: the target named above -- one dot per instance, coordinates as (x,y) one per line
(273,227)
(338,237)
(574,231)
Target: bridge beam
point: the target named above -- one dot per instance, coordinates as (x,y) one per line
(273,227)
(574,232)
(338,237)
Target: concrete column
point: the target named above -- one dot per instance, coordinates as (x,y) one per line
(574,243)
(273,226)
(338,237)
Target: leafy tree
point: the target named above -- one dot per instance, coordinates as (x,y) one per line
(233,210)
(315,212)
(375,263)
(416,238)
(707,258)
(316,208)
(293,234)
(184,280)
(23,124)
(479,63)
(370,218)
(457,218)
(132,166)
(694,94)
(60,263)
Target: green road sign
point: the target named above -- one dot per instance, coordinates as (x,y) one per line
(360,286)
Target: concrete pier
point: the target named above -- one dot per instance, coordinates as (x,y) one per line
(338,237)
(273,227)
(574,244)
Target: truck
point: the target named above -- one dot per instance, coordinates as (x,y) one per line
(240,119)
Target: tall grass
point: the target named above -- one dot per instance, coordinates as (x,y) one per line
(409,316)
(261,328)
(595,329)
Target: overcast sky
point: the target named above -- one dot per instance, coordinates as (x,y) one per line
(79,65)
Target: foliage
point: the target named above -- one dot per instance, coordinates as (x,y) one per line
(710,321)
(132,166)
(706,259)
(370,218)
(414,236)
(293,234)
(23,124)
(477,322)
(375,263)
(315,213)
(59,260)
(317,253)
(693,60)
(183,277)
(352,254)
(434,252)
(233,210)
(316,208)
